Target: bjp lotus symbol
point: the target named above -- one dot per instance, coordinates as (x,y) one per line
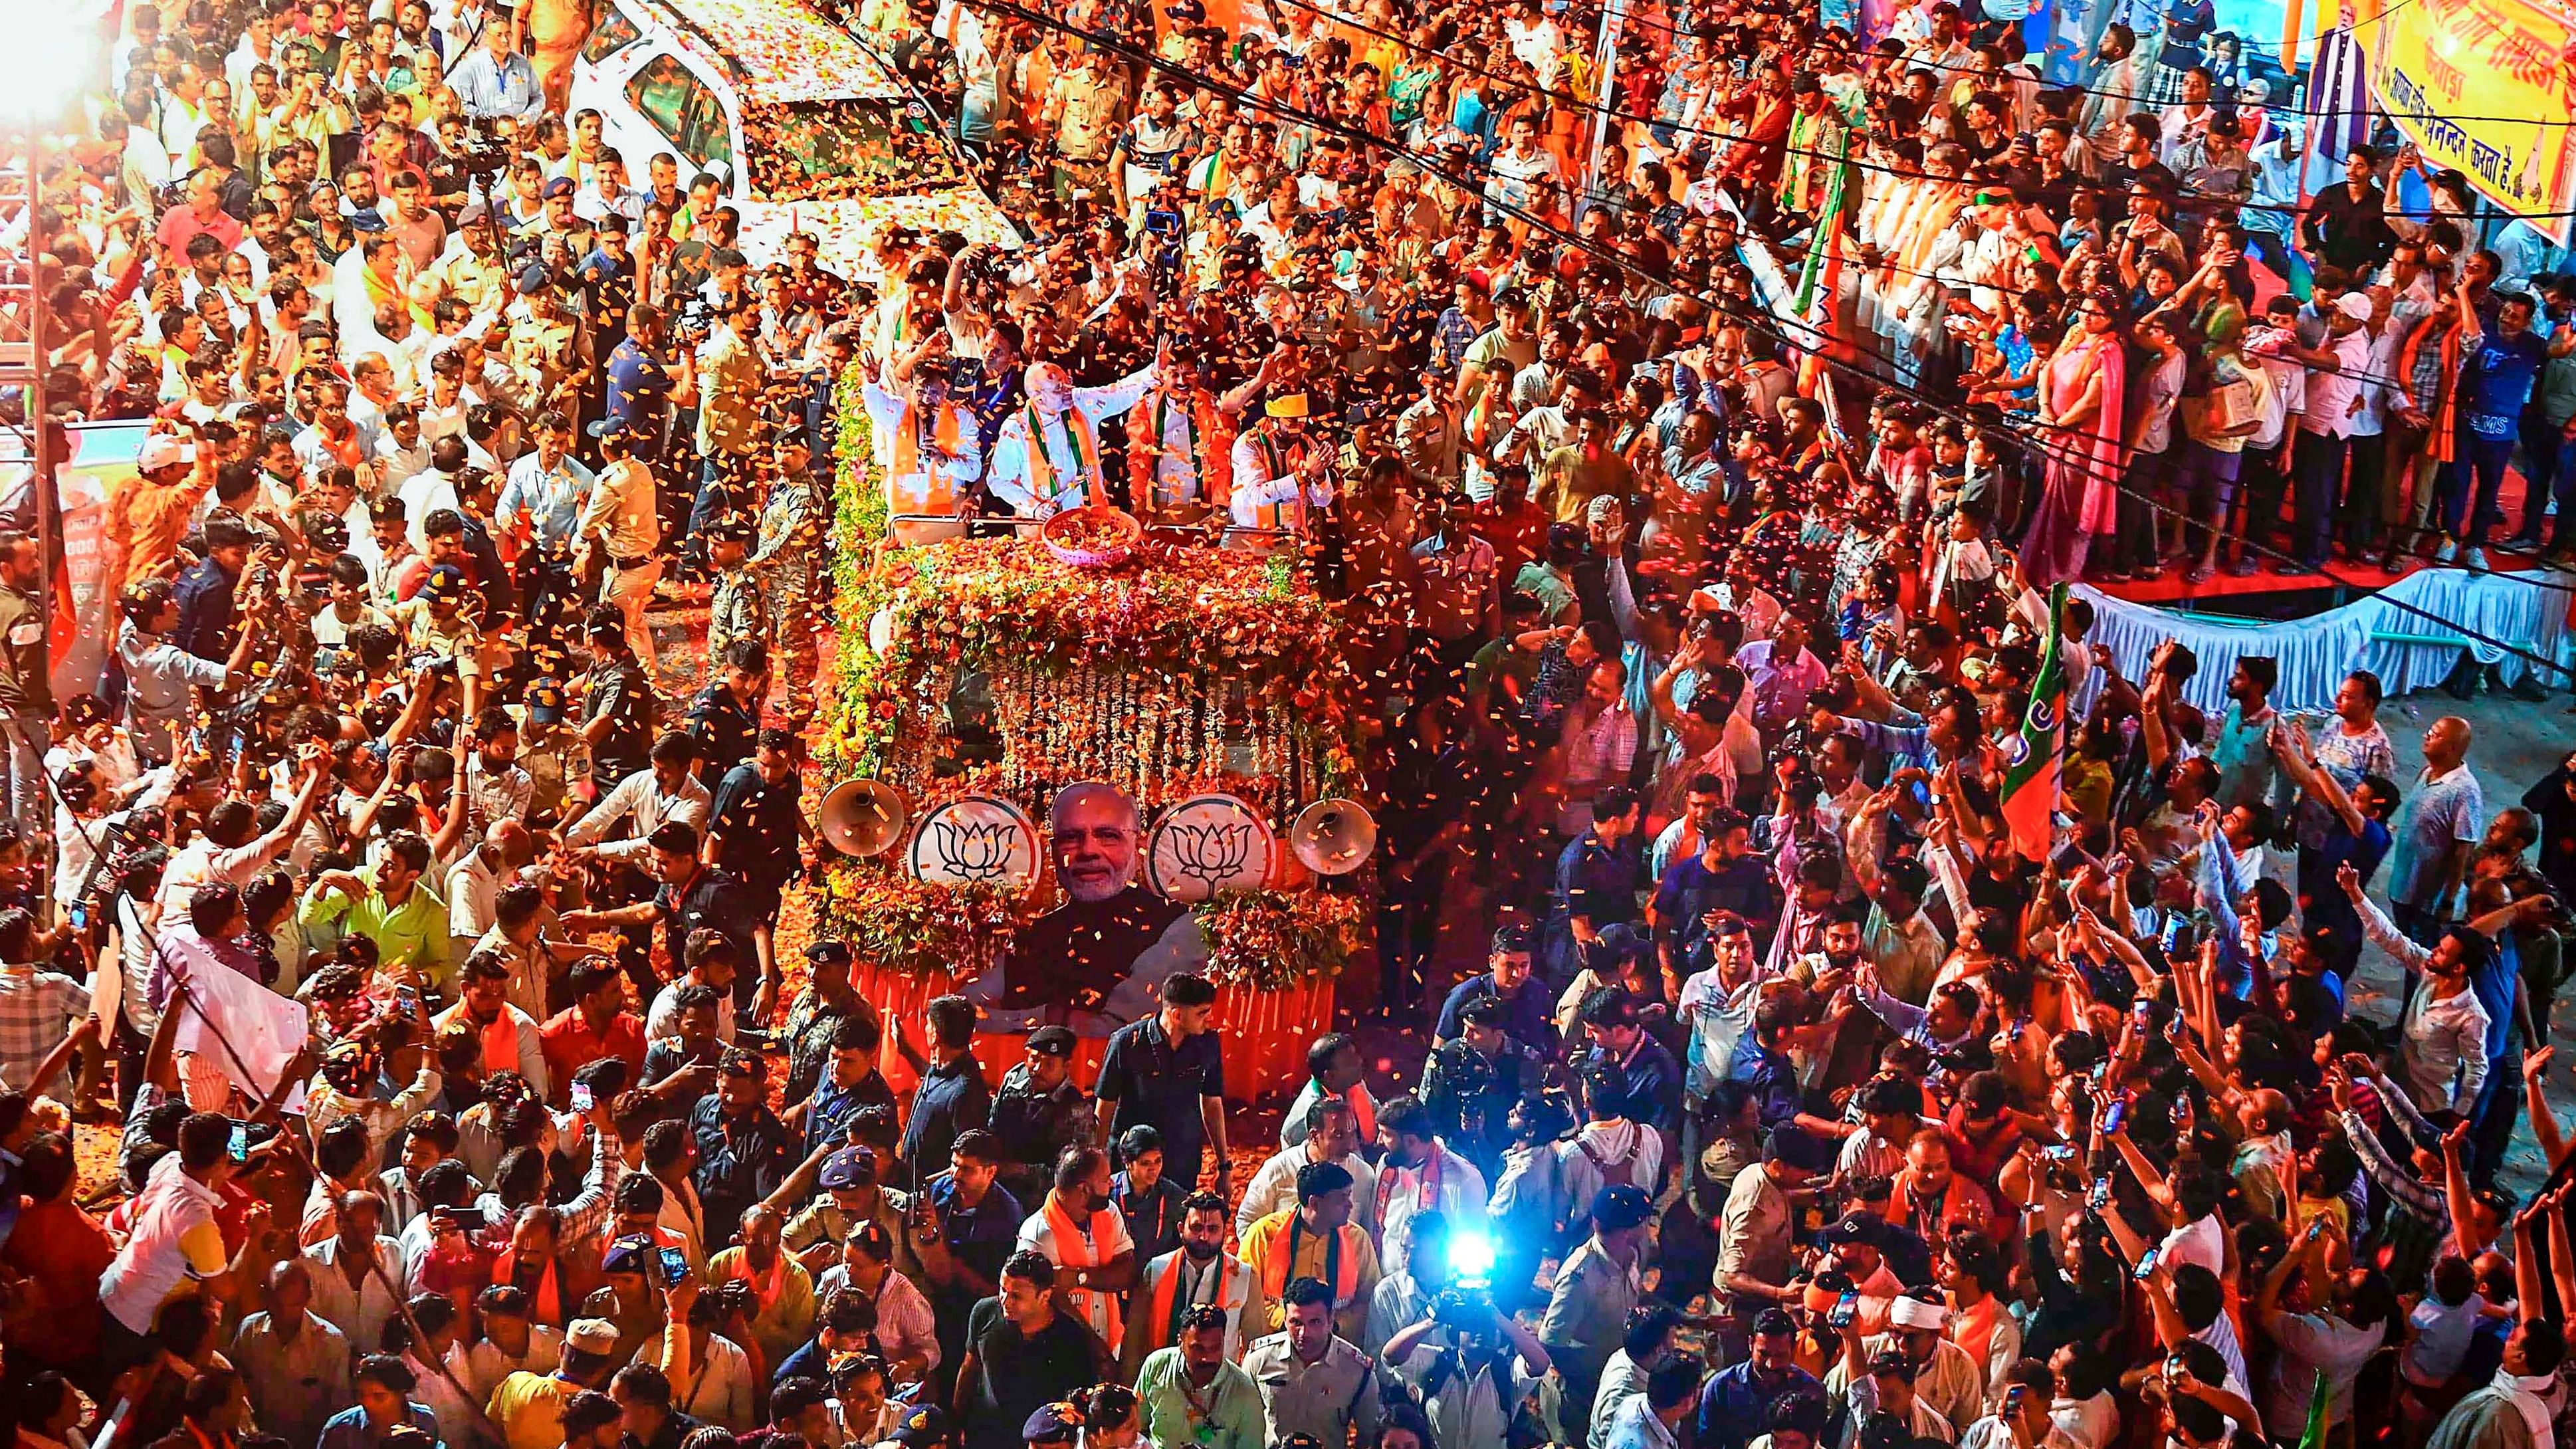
(1208,844)
(978,840)
(1211,852)
(976,850)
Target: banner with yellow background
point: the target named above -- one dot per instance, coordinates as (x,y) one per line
(2444,70)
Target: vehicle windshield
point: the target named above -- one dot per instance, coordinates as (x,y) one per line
(819,150)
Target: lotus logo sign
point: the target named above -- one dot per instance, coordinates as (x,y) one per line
(1207,844)
(977,840)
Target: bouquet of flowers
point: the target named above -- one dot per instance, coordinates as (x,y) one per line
(1269,939)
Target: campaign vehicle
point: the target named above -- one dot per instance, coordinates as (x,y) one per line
(807,127)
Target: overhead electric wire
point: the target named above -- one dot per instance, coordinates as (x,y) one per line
(1577,102)
(1816,332)
(1669,28)
(2086,466)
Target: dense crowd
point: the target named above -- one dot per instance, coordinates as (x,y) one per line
(1747,1070)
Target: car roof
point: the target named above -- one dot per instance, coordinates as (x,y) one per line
(779,51)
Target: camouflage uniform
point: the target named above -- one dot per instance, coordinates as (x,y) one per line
(795,583)
(736,612)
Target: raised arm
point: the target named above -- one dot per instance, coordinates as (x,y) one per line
(2455,1187)
(2544,1122)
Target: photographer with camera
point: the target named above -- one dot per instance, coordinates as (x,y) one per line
(1468,1365)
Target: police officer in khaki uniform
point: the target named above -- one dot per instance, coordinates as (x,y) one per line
(26,691)
(852,1194)
(544,347)
(1082,110)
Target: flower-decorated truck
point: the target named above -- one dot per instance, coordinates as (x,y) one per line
(1061,768)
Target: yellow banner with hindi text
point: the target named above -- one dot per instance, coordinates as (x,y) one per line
(2487,88)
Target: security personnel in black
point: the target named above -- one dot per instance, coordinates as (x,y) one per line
(26,691)
(1471,1082)
(619,707)
(1039,1112)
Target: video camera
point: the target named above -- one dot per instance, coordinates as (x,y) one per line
(483,152)
(1469,1312)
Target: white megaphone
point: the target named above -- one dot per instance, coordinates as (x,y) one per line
(863,817)
(1333,837)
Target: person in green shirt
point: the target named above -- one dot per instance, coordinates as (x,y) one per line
(1189,1394)
(398,911)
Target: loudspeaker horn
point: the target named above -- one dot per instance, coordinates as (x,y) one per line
(863,817)
(1333,837)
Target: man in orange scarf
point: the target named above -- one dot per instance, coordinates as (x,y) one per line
(1198,1273)
(1086,1238)
(926,445)
(1180,445)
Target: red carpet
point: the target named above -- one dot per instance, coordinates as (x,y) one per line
(2344,575)
(2355,575)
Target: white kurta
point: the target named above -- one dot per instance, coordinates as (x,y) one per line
(1069,474)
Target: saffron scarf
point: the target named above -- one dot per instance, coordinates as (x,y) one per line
(1341,1269)
(1167,1305)
(1076,1248)
(1280,514)
(932,489)
(1209,447)
(1086,448)
(1426,1188)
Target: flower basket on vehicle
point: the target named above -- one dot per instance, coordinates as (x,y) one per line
(1092,538)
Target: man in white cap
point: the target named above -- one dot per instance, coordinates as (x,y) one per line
(2325,432)
(147,517)
(529,1407)
(1944,1379)
(1047,456)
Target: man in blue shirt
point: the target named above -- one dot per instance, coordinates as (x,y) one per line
(1724,876)
(2357,835)
(494,82)
(639,383)
(1621,1045)
(384,1405)
(952,1096)
(1168,1073)
(1528,1013)
(2500,364)
(1735,1405)
(205,594)
(744,1151)
(964,1226)
(1762,1063)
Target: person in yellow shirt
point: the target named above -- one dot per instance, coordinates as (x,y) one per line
(782,1290)
(531,1408)
(1315,1239)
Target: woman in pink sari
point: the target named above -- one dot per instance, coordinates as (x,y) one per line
(2079,417)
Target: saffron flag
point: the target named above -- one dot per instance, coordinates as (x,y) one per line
(2031,763)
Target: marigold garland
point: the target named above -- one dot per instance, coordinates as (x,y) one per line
(1272,939)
